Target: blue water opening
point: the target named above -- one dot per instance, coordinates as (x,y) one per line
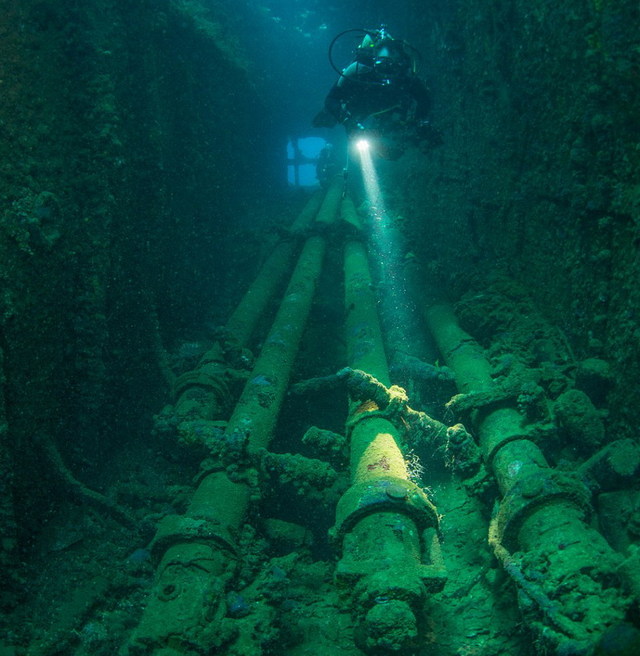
(302,154)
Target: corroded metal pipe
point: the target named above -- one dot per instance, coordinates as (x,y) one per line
(197,551)
(566,574)
(204,393)
(243,321)
(386,526)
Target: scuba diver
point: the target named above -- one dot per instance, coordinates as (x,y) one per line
(379,93)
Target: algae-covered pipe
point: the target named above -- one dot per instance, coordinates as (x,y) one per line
(257,410)
(243,321)
(198,552)
(203,394)
(385,524)
(567,576)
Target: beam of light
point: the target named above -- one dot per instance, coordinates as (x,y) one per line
(388,247)
(369,176)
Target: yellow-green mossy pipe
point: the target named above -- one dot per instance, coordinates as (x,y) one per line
(197,550)
(567,575)
(385,524)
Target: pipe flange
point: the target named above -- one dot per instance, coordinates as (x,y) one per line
(208,467)
(176,529)
(211,380)
(390,414)
(393,494)
(492,449)
(531,493)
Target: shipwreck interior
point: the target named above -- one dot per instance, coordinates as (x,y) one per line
(244,412)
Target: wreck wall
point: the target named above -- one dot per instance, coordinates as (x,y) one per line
(123,151)
(537,174)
